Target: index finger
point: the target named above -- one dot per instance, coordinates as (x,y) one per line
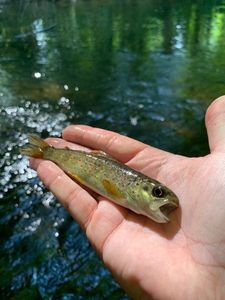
(121,147)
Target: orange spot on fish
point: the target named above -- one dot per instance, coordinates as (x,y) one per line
(111,189)
(76,177)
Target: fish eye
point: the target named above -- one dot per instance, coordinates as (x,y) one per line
(158,192)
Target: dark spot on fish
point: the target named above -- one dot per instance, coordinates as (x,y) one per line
(145,188)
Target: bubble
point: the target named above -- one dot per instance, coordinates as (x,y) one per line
(26,216)
(66,87)
(48,201)
(20,110)
(37,75)
(34,225)
(134,120)
(63,101)
(27,104)
(45,105)
(30,175)
(11,186)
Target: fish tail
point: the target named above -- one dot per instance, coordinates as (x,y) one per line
(35,148)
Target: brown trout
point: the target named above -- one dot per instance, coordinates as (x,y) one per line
(109,178)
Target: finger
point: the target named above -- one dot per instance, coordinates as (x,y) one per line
(215,124)
(60,143)
(75,199)
(105,220)
(121,147)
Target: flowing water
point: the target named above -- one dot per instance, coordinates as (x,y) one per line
(147,69)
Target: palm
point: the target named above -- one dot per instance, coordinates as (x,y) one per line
(145,257)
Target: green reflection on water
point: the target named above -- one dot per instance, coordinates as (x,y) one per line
(147,69)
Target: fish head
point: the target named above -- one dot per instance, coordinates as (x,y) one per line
(159,200)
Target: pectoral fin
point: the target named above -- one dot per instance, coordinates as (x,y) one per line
(101,154)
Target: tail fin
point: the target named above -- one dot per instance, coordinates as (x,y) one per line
(35,148)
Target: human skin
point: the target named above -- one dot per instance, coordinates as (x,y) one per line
(184,259)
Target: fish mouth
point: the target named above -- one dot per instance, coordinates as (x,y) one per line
(163,211)
(166,209)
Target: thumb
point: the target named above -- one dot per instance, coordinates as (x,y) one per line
(215,124)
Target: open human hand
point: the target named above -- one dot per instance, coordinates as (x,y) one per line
(184,259)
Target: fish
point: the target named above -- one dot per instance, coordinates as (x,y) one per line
(110,178)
